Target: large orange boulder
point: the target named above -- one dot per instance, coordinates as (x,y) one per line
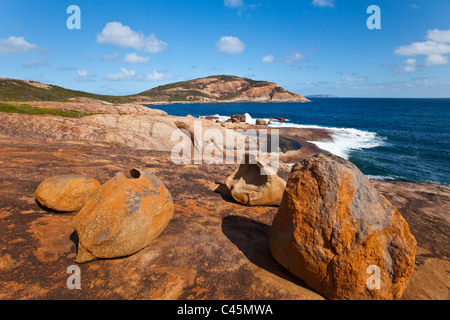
(124,217)
(255,183)
(66,193)
(334,231)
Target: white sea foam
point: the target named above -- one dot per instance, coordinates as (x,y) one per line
(383,178)
(343,140)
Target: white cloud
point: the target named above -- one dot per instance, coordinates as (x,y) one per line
(439,35)
(134,58)
(296,57)
(268,59)
(14,45)
(355,78)
(410,65)
(323,3)
(83,75)
(110,57)
(437,45)
(423,48)
(233,3)
(116,33)
(126,74)
(156,76)
(230,45)
(436,59)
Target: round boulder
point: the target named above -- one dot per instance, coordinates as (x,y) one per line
(337,233)
(66,193)
(124,217)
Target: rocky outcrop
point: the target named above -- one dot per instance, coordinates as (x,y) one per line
(66,193)
(221,88)
(337,233)
(260,122)
(255,183)
(123,217)
(135,131)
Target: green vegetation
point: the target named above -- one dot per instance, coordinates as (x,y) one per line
(24,108)
(17,90)
(279,89)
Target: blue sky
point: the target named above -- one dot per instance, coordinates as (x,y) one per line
(309,47)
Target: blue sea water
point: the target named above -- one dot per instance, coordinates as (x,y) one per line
(388,139)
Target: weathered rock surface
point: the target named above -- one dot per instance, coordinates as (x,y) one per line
(255,183)
(333,225)
(67,193)
(213,248)
(260,122)
(135,131)
(124,217)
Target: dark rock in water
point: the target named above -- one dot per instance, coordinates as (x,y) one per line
(238,118)
(260,122)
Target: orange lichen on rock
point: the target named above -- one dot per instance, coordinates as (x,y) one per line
(66,193)
(124,217)
(333,225)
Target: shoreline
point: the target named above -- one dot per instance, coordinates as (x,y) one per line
(309,137)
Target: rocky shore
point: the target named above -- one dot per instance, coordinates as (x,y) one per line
(213,247)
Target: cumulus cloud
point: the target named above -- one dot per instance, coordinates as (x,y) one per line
(134,58)
(233,3)
(116,33)
(268,59)
(435,46)
(439,35)
(124,74)
(157,76)
(323,3)
(423,48)
(436,60)
(14,45)
(230,45)
(83,75)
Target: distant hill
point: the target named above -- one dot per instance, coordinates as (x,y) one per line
(220,88)
(23,90)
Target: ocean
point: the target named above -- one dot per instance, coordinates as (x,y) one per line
(388,139)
